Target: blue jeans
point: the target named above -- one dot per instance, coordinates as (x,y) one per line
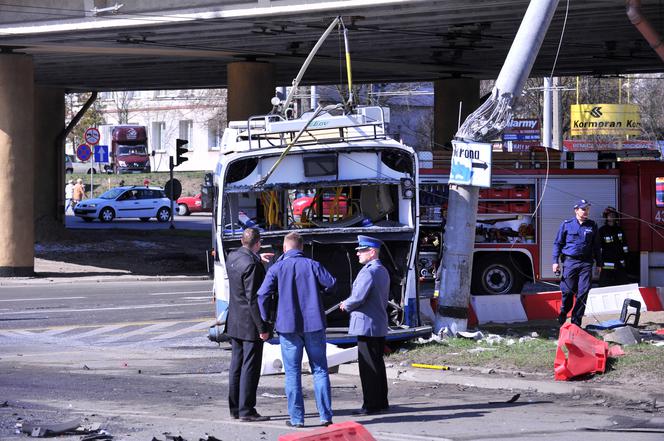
(291,353)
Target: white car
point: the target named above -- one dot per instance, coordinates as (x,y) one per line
(123,202)
(80,168)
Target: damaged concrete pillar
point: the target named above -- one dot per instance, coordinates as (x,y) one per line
(251,86)
(18,165)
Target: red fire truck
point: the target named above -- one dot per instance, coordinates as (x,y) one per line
(518,217)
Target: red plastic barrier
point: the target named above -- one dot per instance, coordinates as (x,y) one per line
(586,354)
(651,298)
(472,317)
(346,431)
(542,306)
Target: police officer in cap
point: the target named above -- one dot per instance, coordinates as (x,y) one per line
(576,246)
(367,305)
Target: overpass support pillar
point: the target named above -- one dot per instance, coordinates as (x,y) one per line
(49,160)
(450,96)
(17,234)
(251,86)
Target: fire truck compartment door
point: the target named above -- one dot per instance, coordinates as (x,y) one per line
(557,205)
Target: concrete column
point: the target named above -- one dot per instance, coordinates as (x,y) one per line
(251,86)
(49,160)
(17,164)
(448,95)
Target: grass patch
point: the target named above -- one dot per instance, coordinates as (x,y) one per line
(533,356)
(641,364)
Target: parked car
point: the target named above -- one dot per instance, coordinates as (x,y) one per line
(73,166)
(126,202)
(302,203)
(191,204)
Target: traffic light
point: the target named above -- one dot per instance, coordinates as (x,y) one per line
(180,150)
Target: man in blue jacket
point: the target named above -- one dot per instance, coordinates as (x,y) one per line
(367,305)
(299,282)
(576,246)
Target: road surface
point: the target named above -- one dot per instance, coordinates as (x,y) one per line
(134,357)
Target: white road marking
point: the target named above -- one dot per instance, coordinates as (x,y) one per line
(392,436)
(53,332)
(179,292)
(102,330)
(144,330)
(20,332)
(114,308)
(36,299)
(196,327)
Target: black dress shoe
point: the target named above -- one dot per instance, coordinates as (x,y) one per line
(235,416)
(298,425)
(326,423)
(255,417)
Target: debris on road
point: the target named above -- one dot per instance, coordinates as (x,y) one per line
(42,430)
(477,335)
(270,395)
(102,435)
(91,431)
(514,399)
(480,349)
(492,339)
(624,335)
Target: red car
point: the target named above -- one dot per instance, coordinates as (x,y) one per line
(300,204)
(191,204)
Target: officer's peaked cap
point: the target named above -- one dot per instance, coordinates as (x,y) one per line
(365,242)
(582,204)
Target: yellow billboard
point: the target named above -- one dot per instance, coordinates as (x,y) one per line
(605,119)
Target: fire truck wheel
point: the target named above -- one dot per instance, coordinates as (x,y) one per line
(496,275)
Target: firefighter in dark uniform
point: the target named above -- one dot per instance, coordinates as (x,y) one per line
(576,246)
(614,250)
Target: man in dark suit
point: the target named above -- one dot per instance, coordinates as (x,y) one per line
(367,305)
(245,327)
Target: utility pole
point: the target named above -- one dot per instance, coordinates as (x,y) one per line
(547,118)
(486,123)
(171,166)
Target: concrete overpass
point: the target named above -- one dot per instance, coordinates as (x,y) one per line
(50,47)
(162,44)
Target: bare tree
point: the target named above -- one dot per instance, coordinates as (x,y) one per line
(93,116)
(646,91)
(122,101)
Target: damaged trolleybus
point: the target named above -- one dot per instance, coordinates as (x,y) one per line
(329,175)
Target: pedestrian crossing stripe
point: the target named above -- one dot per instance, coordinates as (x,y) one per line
(115,332)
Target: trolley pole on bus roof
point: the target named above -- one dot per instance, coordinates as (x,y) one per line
(484,124)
